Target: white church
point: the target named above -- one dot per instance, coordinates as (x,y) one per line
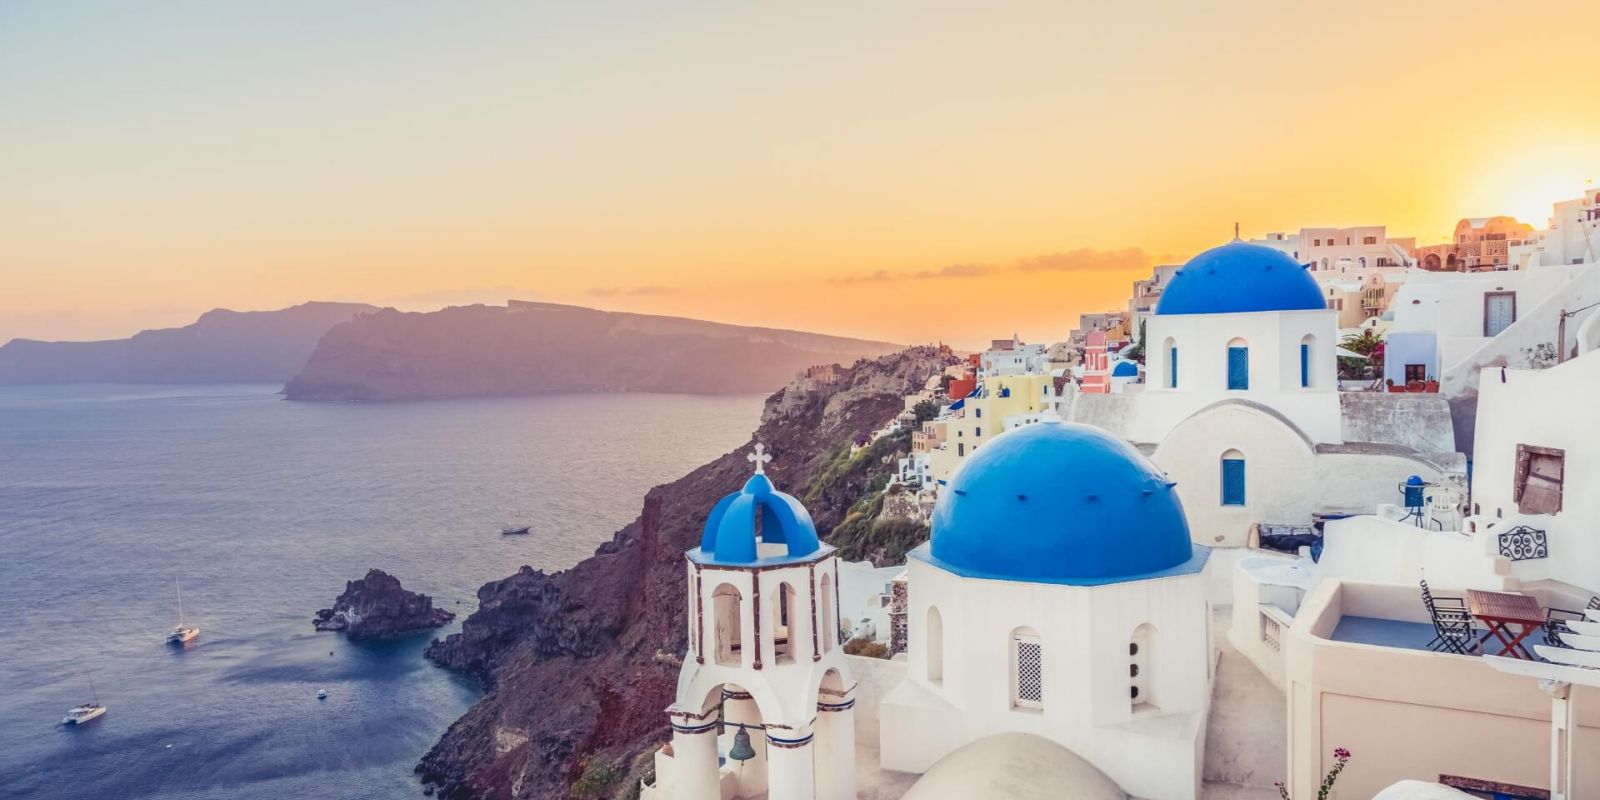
(1058,615)
(1241,404)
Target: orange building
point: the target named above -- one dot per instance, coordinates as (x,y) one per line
(1481,244)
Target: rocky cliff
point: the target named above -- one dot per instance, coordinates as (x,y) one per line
(221,347)
(377,606)
(579,665)
(531,348)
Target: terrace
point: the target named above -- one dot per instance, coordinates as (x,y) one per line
(1360,674)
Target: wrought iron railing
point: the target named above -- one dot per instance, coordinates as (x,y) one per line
(1523,543)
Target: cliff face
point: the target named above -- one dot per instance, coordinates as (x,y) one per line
(580,664)
(377,606)
(532,348)
(221,347)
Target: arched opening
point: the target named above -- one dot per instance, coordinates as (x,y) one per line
(1238,365)
(1141,684)
(1233,483)
(1027,670)
(784,642)
(1170,347)
(934,652)
(1307,346)
(1451,263)
(726,602)
(692,617)
(1431,262)
(829,633)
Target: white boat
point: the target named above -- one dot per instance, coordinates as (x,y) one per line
(78,715)
(83,713)
(509,530)
(322,694)
(183,633)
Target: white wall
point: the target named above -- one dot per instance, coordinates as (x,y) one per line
(1085,633)
(1553,407)
(1274,339)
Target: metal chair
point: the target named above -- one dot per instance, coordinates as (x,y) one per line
(1455,632)
(1454,607)
(1555,624)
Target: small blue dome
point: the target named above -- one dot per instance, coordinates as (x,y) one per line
(1239,277)
(1057,502)
(730,533)
(1125,369)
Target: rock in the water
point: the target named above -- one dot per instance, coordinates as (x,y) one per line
(378,606)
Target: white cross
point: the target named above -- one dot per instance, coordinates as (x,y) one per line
(760,458)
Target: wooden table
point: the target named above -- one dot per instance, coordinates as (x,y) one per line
(1499,611)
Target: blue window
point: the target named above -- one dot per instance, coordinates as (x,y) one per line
(1238,368)
(1305,365)
(978,412)
(1172,368)
(1233,481)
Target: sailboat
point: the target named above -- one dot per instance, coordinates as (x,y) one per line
(78,715)
(183,633)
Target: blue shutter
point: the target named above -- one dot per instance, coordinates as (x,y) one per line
(1233,481)
(1172,369)
(1305,365)
(1238,368)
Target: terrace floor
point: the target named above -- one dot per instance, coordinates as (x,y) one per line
(1384,632)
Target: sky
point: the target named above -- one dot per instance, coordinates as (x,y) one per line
(908,171)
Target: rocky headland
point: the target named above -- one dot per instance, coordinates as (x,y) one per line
(536,348)
(377,606)
(223,346)
(578,665)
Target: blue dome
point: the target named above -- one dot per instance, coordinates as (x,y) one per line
(1240,277)
(1125,369)
(730,533)
(1059,502)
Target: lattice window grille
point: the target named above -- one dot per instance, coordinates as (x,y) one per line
(1030,672)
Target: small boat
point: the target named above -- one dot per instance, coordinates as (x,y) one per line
(322,694)
(81,714)
(78,715)
(183,633)
(511,530)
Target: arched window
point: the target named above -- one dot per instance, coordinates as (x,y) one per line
(784,642)
(830,629)
(1238,364)
(1305,360)
(1171,349)
(1141,684)
(1027,669)
(934,655)
(1233,478)
(727,601)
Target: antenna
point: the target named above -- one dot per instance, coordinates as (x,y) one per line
(1236,231)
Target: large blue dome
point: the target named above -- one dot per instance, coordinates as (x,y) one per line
(758,511)
(1058,502)
(1240,277)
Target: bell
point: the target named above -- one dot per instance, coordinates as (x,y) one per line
(742,749)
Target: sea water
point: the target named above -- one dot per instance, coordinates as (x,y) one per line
(263,509)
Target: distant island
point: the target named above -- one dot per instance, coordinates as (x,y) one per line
(527,348)
(221,347)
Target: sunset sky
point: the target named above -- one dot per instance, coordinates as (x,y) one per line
(907,171)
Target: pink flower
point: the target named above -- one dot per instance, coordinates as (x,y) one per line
(1341,754)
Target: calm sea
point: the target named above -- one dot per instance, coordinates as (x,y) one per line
(264,508)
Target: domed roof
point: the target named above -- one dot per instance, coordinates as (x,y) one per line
(1239,277)
(730,533)
(1058,502)
(1020,766)
(1125,369)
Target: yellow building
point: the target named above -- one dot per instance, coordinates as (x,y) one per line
(1003,402)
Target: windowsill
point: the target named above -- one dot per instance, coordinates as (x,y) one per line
(1028,710)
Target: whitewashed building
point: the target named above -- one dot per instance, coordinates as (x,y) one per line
(1241,404)
(1060,596)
